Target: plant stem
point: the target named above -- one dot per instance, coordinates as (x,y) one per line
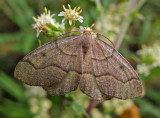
(125,24)
(132,7)
(91,105)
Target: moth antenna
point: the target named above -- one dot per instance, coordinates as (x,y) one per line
(92,26)
(107,39)
(66,34)
(87,27)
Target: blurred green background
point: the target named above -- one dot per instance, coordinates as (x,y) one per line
(133,25)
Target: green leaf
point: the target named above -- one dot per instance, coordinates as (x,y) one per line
(19,12)
(154,95)
(145,31)
(7,84)
(78,107)
(69,27)
(18,42)
(146,107)
(15,110)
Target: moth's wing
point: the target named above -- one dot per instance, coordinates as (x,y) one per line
(53,65)
(88,84)
(114,75)
(68,84)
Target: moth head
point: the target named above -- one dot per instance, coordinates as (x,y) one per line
(88,30)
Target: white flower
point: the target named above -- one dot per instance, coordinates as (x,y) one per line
(32,91)
(117,106)
(71,15)
(38,26)
(145,51)
(95,113)
(42,20)
(143,69)
(152,51)
(40,107)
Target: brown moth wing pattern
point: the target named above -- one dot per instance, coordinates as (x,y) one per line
(71,81)
(88,83)
(53,66)
(114,75)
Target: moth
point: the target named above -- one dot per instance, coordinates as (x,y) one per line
(83,61)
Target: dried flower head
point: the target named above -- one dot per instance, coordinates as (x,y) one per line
(71,15)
